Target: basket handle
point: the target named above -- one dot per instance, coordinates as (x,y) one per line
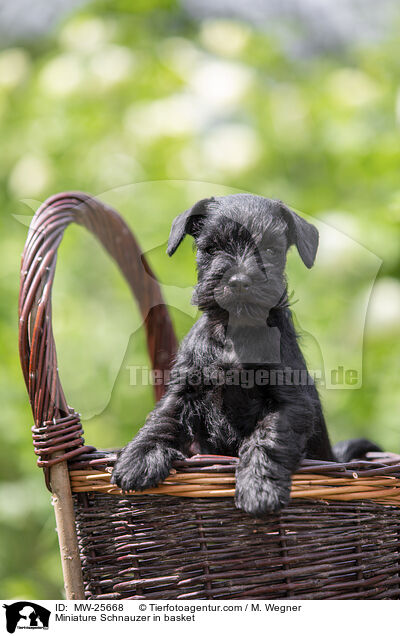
(57,433)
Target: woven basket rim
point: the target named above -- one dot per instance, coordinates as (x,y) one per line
(376,478)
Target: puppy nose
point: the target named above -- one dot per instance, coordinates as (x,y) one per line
(239,282)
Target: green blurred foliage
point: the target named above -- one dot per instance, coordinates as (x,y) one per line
(151,112)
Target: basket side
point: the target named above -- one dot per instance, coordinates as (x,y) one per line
(57,431)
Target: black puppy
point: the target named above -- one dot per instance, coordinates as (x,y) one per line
(239,385)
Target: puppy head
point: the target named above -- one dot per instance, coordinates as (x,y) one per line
(242,242)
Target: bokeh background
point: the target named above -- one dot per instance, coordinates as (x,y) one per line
(151,105)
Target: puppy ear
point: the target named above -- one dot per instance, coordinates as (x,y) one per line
(189,222)
(302,234)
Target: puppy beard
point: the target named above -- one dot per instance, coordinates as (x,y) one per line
(213,294)
(246,314)
(248,339)
(251,308)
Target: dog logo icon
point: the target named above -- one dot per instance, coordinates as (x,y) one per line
(26,615)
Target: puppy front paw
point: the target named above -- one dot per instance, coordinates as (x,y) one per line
(139,469)
(259,496)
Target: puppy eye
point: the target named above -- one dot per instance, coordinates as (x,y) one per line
(211,249)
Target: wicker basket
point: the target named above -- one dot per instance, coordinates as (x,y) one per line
(339,537)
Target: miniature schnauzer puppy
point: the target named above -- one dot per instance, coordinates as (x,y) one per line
(246,331)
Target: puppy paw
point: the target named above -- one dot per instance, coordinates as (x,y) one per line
(139,469)
(261,496)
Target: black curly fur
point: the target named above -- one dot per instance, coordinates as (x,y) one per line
(270,426)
